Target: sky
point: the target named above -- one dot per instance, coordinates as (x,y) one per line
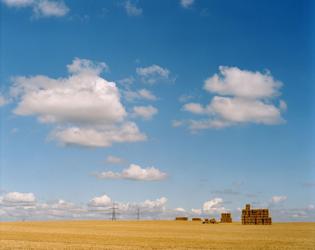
(182,107)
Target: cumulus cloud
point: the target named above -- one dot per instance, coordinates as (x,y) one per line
(158,204)
(88,67)
(214,206)
(111,159)
(196,211)
(145,112)
(177,123)
(195,108)
(48,8)
(24,206)
(135,172)
(243,97)
(3,100)
(186,3)
(142,94)
(85,108)
(232,81)
(99,136)
(127,81)
(185,98)
(132,9)
(18,198)
(147,208)
(180,209)
(100,201)
(278,199)
(153,74)
(41,8)
(18,3)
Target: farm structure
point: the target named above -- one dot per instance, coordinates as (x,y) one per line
(210,221)
(255,216)
(182,218)
(226,218)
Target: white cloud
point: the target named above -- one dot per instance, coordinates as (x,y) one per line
(132,9)
(114,160)
(177,123)
(127,81)
(249,98)
(87,67)
(16,197)
(48,8)
(278,199)
(186,3)
(185,98)
(180,209)
(62,204)
(142,94)
(282,105)
(100,201)
(214,206)
(135,172)
(85,107)
(233,81)
(195,108)
(239,110)
(18,3)
(23,206)
(99,136)
(41,8)
(196,211)
(145,112)
(155,204)
(3,100)
(153,73)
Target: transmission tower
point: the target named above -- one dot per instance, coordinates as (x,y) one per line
(114,211)
(138,213)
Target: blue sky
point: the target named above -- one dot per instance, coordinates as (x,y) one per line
(203,105)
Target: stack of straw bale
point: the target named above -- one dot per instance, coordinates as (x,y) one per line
(255,216)
(226,218)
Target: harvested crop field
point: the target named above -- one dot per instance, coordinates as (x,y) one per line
(154,235)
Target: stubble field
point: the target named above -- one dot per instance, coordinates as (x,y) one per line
(154,235)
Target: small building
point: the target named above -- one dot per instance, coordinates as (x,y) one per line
(255,216)
(226,218)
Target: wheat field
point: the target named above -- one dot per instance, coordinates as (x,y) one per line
(154,235)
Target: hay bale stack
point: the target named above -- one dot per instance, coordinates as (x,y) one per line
(255,216)
(196,219)
(226,218)
(213,221)
(182,218)
(210,221)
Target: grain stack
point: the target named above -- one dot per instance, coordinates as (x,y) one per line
(213,221)
(181,218)
(226,218)
(255,216)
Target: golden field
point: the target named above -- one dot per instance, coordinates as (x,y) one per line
(154,235)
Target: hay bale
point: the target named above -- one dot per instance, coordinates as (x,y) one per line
(182,218)
(213,221)
(226,218)
(255,216)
